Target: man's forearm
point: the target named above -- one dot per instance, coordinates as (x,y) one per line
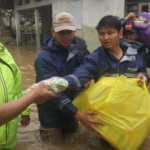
(12,109)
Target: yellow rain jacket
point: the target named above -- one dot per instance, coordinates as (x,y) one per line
(10,89)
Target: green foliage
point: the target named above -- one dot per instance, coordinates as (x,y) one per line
(27,21)
(6,14)
(27,15)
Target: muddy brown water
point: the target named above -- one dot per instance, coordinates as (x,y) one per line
(29,138)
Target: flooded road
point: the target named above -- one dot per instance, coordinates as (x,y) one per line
(29,138)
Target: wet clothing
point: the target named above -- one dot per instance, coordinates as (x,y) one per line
(55,135)
(55,60)
(123,21)
(145,52)
(81,45)
(146,56)
(10,89)
(102,63)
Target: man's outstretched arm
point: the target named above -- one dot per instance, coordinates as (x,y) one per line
(12,109)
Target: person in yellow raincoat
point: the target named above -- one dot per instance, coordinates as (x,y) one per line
(10,89)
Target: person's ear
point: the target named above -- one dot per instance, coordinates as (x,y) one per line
(53,32)
(120,34)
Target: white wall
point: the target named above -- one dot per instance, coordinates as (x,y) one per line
(58,7)
(96,9)
(92,12)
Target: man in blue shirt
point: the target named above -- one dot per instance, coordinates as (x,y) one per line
(115,57)
(59,57)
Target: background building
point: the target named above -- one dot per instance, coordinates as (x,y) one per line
(86,12)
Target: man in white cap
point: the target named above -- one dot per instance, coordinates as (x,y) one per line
(59,57)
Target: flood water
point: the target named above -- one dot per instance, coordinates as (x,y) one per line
(29,138)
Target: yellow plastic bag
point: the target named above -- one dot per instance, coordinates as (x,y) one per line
(123,106)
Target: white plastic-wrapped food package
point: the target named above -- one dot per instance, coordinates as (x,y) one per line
(54,84)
